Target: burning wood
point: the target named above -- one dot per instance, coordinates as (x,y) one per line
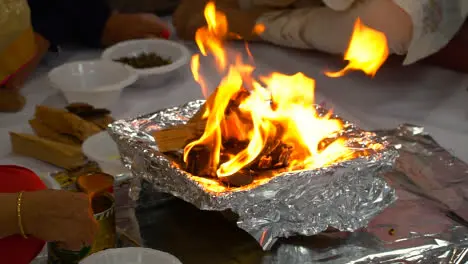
(235,126)
(249,128)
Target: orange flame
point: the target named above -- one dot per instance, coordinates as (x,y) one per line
(275,107)
(195,67)
(367,51)
(210,38)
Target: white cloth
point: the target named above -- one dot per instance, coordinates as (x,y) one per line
(309,26)
(435,23)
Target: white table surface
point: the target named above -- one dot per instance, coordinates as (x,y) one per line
(434,98)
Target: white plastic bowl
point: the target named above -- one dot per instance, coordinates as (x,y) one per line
(103,150)
(131,256)
(177,53)
(98,83)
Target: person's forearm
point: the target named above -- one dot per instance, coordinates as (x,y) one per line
(8,215)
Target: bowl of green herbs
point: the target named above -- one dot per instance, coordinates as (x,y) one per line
(155,60)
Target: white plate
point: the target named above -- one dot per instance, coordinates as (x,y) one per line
(131,255)
(103,150)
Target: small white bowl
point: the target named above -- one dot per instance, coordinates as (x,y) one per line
(101,149)
(98,83)
(177,53)
(131,255)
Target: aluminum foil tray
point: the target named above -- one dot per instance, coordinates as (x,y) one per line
(345,196)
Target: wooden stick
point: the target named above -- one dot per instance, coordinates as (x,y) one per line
(59,154)
(175,138)
(198,115)
(65,122)
(44,131)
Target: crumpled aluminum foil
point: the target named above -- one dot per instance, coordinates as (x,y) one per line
(345,196)
(428,224)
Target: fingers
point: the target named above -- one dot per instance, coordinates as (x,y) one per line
(83,237)
(122,27)
(151,25)
(86,226)
(164,34)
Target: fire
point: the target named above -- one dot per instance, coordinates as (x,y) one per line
(276,108)
(367,51)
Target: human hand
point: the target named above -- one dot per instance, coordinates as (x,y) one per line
(59,216)
(189,17)
(121,27)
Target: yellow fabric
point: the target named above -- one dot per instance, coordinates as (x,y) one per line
(17,44)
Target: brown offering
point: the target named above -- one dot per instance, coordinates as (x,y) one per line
(44,131)
(102,122)
(11,101)
(66,123)
(59,154)
(99,116)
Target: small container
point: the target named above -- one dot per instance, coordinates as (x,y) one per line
(155,76)
(98,83)
(103,206)
(96,182)
(132,255)
(58,255)
(103,150)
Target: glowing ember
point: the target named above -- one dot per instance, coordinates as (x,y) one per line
(276,114)
(367,51)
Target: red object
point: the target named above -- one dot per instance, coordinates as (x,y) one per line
(165,34)
(16,249)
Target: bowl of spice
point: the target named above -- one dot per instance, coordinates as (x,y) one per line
(155,60)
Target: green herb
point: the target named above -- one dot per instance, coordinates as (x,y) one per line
(145,60)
